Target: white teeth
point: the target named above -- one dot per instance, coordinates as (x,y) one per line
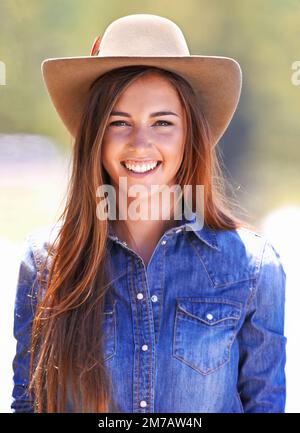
(141,168)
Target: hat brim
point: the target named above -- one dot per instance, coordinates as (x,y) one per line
(216,80)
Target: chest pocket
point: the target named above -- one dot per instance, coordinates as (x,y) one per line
(204,331)
(109,343)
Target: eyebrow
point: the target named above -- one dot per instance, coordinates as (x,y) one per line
(158,113)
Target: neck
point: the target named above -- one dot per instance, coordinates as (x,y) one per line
(143,233)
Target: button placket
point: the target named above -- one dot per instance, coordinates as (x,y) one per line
(144,340)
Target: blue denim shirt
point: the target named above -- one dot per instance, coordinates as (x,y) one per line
(199,329)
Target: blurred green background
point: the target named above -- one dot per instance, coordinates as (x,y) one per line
(260,148)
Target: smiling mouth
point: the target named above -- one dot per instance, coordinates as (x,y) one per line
(141,168)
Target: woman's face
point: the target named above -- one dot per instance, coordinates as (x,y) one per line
(138,135)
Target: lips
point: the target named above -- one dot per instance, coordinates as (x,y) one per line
(140,165)
(141,174)
(139,161)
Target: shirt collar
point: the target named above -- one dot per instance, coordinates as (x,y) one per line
(201,229)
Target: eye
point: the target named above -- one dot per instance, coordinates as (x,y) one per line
(164,121)
(116,122)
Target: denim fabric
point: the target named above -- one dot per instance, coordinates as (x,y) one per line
(200,329)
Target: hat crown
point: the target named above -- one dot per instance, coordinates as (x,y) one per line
(143,35)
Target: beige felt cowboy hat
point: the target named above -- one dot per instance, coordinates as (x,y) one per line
(145,39)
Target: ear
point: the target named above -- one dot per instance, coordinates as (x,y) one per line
(95,46)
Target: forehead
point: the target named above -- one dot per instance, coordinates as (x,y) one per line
(151,88)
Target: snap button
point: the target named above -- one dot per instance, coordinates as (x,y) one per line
(140,295)
(164,242)
(209,316)
(143,403)
(144,347)
(154,298)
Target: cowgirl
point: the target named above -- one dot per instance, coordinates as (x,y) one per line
(147,315)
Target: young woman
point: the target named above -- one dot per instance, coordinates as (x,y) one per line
(178,314)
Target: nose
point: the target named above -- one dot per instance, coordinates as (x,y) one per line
(140,138)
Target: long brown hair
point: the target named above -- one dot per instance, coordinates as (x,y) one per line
(66,351)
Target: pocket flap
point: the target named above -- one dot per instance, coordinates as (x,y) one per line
(210,310)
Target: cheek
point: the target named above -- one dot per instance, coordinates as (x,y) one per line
(116,135)
(172,165)
(174,134)
(173,146)
(109,158)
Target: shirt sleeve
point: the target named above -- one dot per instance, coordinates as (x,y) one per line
(25,303)
(262,344)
